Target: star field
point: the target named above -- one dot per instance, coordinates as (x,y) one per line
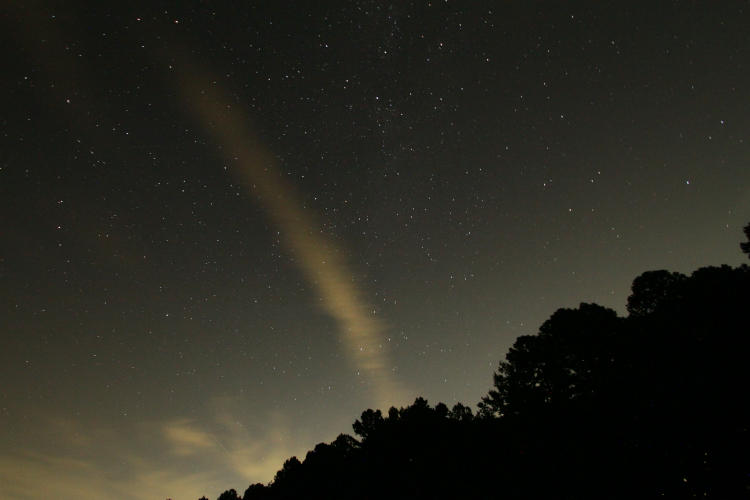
(228,229)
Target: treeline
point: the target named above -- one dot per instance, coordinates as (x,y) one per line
(655,404)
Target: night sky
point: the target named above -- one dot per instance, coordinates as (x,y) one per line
(226,230)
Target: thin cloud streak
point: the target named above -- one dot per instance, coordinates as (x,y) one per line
(317,257)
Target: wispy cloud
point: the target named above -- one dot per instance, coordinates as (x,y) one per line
(319,259)
(186,439)
(183,459)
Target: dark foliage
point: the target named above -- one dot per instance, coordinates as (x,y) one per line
(593,406)
(746,245)
(229,495)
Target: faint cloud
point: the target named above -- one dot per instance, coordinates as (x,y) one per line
(28,476)
(319,259)
(177,458)
(186,439)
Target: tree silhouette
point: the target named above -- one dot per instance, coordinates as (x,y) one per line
(745,246)
(371,422)
(567,360)
(592,406)
(652,290)
(461,412)
(257,491)
(229,495)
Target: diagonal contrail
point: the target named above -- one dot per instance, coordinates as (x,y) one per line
(319,259)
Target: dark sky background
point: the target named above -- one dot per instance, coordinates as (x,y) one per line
(227,229)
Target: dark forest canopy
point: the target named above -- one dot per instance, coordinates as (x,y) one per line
(594,405)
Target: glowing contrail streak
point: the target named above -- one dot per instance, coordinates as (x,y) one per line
(319,259)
